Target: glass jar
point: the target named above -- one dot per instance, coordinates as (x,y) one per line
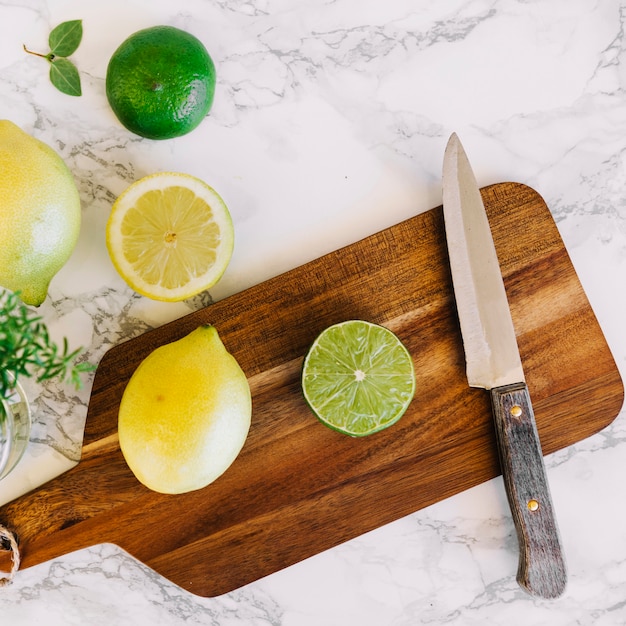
(15,422)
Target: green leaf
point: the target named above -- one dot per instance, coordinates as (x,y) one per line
(65,38)
(64,76)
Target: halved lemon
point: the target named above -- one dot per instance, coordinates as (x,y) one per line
(170,236)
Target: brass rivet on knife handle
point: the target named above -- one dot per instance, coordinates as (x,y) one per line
(541,570)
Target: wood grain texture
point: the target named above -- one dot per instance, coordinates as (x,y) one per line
(542,571)
(299,488)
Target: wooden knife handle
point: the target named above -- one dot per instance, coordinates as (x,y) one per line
(541,570)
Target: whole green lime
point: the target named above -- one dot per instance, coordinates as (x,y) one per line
(160,82)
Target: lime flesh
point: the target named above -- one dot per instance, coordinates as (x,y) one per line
(358,378)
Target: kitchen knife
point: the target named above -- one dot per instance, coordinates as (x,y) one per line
(493,362)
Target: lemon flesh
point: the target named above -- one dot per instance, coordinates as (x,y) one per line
(185,414)
(160,82)
(170,236)
(358,378)
(40,213)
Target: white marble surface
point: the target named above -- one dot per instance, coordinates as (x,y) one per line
(329,123)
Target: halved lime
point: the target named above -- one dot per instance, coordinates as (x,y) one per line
(358,377)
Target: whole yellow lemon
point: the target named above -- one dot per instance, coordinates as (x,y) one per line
(39,213)
(185,414)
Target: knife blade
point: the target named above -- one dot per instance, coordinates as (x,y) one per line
(493,363)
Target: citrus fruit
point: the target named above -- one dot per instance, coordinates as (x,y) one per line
(358,377)
(39,213)
(170,236)
(185,413)
(160,82)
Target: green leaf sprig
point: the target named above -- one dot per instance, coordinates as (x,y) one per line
(27,350)
(63,41)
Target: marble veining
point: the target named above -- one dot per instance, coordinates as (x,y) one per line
(329,123)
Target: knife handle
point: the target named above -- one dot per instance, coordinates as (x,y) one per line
(541,570)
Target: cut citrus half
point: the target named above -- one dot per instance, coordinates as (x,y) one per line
(358,378)
(170,236)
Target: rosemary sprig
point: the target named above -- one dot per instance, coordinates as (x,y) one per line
(27,350)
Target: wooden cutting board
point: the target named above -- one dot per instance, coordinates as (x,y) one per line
(299,488)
